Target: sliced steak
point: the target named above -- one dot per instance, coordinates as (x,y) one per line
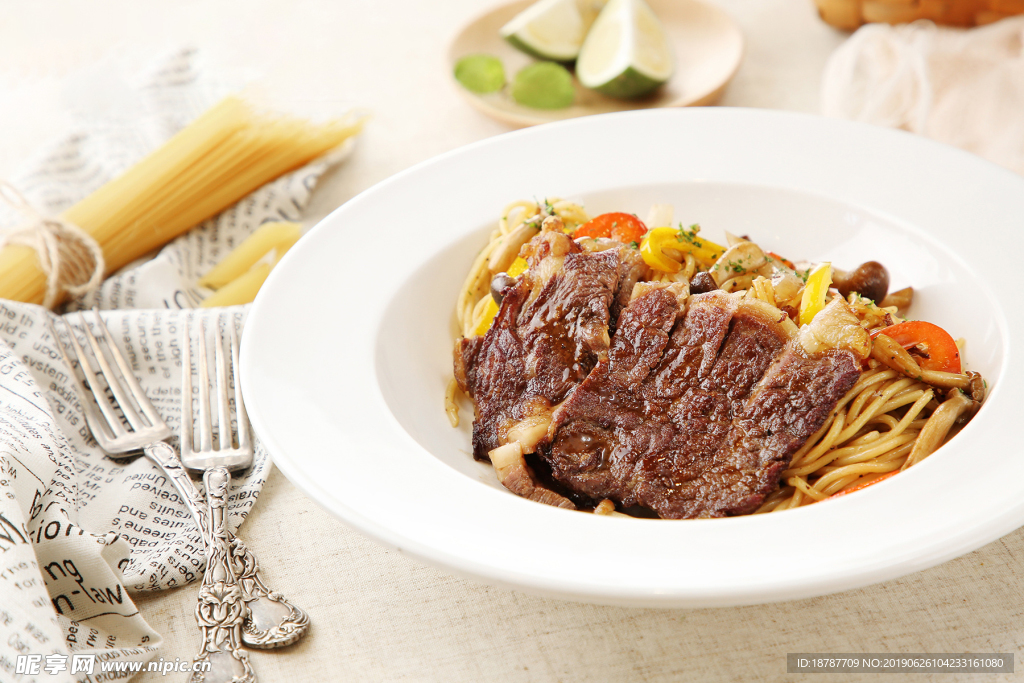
(695,418)
(550,332)
(687,406)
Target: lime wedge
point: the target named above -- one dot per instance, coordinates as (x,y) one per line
(543,85)
(480,73)
(551,29)
(627,53)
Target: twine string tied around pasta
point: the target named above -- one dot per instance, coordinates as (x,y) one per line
(70,258)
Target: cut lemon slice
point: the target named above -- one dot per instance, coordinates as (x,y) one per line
(627,53)
(552,29)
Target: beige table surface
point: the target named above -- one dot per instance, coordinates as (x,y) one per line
(377,615)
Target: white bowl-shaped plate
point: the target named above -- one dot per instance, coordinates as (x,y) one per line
(707,45)
(347,351)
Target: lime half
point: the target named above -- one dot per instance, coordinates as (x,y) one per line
(551,29)
(627,53)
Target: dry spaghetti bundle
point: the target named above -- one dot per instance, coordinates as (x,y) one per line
(219,158)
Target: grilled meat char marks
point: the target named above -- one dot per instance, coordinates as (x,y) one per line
(550,332)
(690,407)
(706,429)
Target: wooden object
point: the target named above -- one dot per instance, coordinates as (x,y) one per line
(850,14)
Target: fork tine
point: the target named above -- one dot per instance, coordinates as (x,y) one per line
(113,381)
(224,417)
(205,425)
(101,427)
(187,445)
(203,455)
(242,417)
(114,425)
(148,411)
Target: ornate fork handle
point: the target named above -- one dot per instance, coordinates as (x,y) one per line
(221,609)
(272,621)
(168,460)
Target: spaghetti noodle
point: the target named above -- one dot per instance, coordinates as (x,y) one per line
(893,417)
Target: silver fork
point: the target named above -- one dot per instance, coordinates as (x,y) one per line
(146,430)
(222,607)
(271,621)
(274,621)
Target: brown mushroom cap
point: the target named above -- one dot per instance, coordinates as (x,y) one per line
(869,279)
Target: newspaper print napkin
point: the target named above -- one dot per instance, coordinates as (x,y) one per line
(80,531)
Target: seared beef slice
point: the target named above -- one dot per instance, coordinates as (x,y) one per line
(690,407)
(694,416)
(550,332)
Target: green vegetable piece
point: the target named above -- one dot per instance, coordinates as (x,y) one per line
(481,74)
(544,85)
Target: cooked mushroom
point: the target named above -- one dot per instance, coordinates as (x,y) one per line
(901,299)
(946,380)
(957,406)
(869,279)
(701,283)
(505,253)
(499,283)
(743,258)
(976,386)
(887,351)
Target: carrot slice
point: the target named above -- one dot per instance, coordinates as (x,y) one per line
(937,350)
(623,227)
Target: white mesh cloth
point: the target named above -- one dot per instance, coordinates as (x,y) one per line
(961,87)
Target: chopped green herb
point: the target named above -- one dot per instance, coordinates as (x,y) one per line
(689,235)
(634,244)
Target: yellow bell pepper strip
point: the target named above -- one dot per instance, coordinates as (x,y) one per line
(652,249)
(489,313)
(517,268)
(705,251)
(815,291)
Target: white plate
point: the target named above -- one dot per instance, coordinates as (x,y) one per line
(347,351)
(707,44)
